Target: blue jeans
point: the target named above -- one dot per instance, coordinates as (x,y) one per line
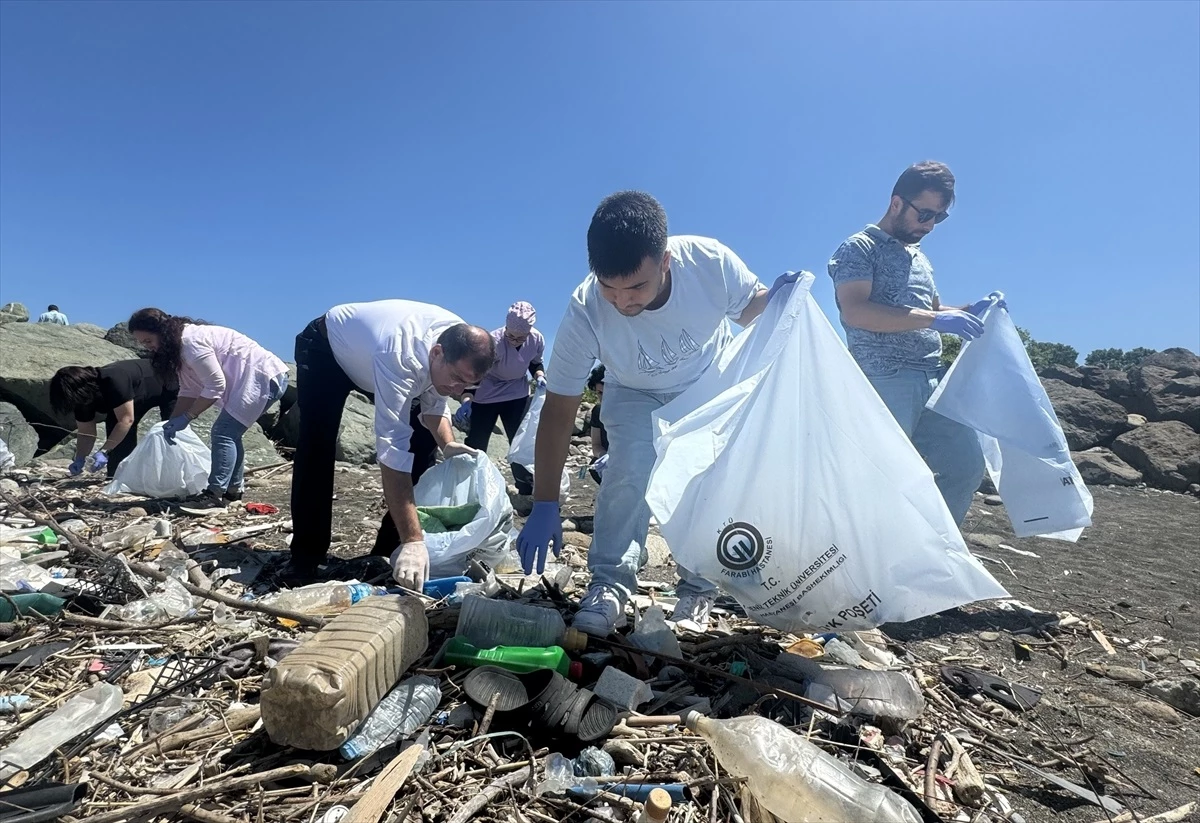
(228,454)
(950,449)
(622,514)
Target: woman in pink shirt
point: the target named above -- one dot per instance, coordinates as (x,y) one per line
(215,366)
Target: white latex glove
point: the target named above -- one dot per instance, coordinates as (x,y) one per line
(452,449)
(410,565)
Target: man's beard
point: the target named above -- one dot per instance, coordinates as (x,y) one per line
(908,238)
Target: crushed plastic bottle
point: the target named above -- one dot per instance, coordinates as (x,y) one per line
(131,535)
(174,562)
(169,600)
(401,712)
(14,703)
(792,778)
(23,577)
(560,777)
(859,691)
(77,715)
(487,623)
(652,633)
(323,598)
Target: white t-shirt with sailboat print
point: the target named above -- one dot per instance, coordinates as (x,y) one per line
(663,350)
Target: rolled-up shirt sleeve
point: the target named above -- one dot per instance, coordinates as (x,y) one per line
(200,359)
(574,354)
(395,385)
(741,284)
(433,404)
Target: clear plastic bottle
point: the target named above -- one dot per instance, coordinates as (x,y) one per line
(486,624)
(794,779)
(401,712)
(72,718)
(861,692)
(323,598)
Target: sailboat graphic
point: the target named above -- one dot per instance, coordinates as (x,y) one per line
(687,346)
(645,361)
(671,357)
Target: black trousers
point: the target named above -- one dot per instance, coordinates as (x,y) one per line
(322,389)
(510,413)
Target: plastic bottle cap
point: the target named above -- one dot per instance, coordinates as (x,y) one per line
(658,804)
(575,670)
(574,640)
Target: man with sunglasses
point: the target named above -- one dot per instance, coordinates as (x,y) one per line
(894,319)
(409,357)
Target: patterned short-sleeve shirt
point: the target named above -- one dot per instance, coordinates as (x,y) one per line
(900,275)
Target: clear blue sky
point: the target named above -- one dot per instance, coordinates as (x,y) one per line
(255,163)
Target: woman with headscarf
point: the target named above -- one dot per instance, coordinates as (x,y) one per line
(215,366)
(503,393)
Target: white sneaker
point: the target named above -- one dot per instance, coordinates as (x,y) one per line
(601,611)
(692,612)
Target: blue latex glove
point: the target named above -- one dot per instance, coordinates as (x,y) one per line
(99,461)
(544,524)
(175,425)
(781,281)
(463,416)
(996,299)
(964,324)
(76,467)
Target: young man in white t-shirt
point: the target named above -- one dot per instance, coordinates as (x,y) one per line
(656,312)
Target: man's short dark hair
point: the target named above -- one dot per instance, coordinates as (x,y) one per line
(628,227)
(52,307)
(929,175)
(596,378)
(464,342)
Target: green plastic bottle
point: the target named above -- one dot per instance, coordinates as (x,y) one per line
(519,659)
(44,604)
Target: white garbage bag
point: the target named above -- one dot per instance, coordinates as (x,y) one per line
(455,482)
(156,468)
(7,458)
(782,478)
(520,451)
(993,388)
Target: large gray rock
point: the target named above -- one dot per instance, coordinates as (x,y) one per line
(356,436)
(1167,387)
(1110,384)
(1178,360)
(19,436)
(1100,467)
(14,313)
(1087,418)
(1063,373)
(1167,453)
(30,354)
(120,335)
(89,329)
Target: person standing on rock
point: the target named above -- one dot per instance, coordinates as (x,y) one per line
(503,393)
(655,310)
(124,392)
(53,316)
(409,357)
(215,366)
(894,319)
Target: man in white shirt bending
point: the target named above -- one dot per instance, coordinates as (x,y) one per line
(409,357)
(656,311)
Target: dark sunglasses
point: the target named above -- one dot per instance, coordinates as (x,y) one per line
(925,215)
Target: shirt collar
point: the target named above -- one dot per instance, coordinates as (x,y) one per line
(879,234)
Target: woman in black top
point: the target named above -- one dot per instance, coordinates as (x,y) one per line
(599,434)
(123,392)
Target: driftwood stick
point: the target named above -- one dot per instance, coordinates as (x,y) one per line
(494,789)
(175,802)
(968,785)
(931,769)
(371,806)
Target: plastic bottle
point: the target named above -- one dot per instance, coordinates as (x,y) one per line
(519,659)
(77,715)
(860,691)
(404,710)
(323,598)
(657,808)
(443,586)
(13,703)
(792,778)
(44,604)
(319,694)
(18,576)
(486,623)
